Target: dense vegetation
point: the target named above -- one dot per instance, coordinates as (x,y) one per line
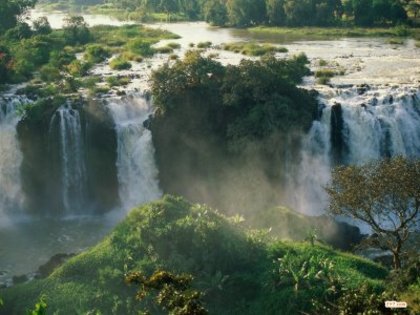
(213,120)
(239,271)
(53,53)
(270,12)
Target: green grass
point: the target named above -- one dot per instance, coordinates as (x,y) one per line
(253,49)
(237,268)
(324,75)
(120,63)
(117,81)
(395,41)
(295,33)
(204,45)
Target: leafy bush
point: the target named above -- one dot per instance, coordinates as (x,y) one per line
(96,53)
(141,47)
(79,68)
(120,63)
(204,45)
(76,30)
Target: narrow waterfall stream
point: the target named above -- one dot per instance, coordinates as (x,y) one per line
(73,169)
(10,155)
(137,172)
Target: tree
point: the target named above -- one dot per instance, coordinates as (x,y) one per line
(246,12)
(383,194)
(11,10)
(215,12)
(42,26)
(76,30)
(275,12)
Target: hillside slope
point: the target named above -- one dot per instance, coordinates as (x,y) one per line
(240,271)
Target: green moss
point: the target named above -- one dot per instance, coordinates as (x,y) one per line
(228,262)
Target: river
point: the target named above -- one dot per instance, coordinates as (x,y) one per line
(387,107)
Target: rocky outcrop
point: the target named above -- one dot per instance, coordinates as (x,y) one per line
(42,170)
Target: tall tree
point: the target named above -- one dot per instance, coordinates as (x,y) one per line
(385,195)
(275,12)
(10,10)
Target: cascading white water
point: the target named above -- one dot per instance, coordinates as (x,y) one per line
(73,168)
(137,171)
(377,122)
(10,154)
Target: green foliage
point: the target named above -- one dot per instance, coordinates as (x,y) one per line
(96,53)
(76,30)
(164,50)
(118,81)
(252,100)
(5,59)
(40,307)
(383,194)
(119,63)
(41,26)
(174,293)
(363,300)
(204,45)
(253,49)
(78,68)
(233,267)
(10,12)
(141,47)
(315,271)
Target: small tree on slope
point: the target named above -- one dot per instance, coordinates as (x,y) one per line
(383,194)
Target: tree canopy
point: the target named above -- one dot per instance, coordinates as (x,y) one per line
(10,12)
(281,12)
(385,195)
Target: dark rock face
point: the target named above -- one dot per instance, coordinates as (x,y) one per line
(338,143)
(55,261)
(41,169)
(101,157)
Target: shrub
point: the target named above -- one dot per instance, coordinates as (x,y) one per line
(79,68)
(96,53)
(164,50)
(120,63)
(76,30)
(204,45)
(141,47)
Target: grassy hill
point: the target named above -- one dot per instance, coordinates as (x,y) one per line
(240,271)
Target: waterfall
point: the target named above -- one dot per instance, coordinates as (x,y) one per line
(72,162)
(10,154)
(137,172)
(358,124)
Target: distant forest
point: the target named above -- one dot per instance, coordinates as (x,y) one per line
(242,13)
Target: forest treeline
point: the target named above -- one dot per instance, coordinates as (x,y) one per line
(242,13)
